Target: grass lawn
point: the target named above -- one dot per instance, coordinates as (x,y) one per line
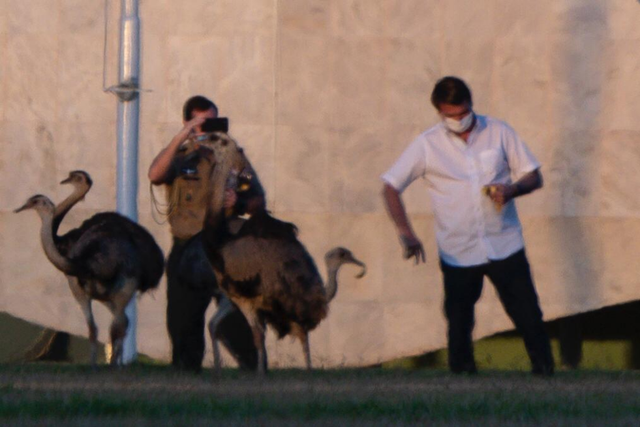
(51,394)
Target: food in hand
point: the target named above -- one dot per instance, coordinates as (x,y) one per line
(489,191)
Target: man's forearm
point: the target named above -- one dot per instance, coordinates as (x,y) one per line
(396,210)
(503,193)
(161,165)
(528,183)
(410,243)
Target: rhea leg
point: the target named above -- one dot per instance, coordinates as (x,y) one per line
(303,336)
(257,328)
(224,308)
(118,331)
(117,305)
(85,305)
(305,349)
(258,337)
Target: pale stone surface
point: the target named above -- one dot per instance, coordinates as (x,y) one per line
(577,160)
(403,281)
(305,168)
(357,336)
(408,325)
(324,96)
(29,153)
(579,61)
(80,16)
(549,201)
(203,18)
(521,19)
(623,20)
(237,70)
(3,67)
(623,97)
(414,66)
(564,251)
(358,82)
(33,16)
(154,65)
(258,142)
(3,16)
(305,88)
(415,20)
(313,16)
(522,75)
(468,59)
(620,165)
(361,157)
(357,18)
(80,80)
(86,142)
(470,21)
(31,77)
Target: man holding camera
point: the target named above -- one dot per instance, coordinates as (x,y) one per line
(183,167)
(474,166)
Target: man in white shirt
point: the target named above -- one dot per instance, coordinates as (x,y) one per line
(474,167)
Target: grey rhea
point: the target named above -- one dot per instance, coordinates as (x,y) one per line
(108,258)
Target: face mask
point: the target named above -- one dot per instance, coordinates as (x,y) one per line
(459,126)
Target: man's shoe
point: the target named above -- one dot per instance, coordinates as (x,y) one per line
(467,369)
(543,371)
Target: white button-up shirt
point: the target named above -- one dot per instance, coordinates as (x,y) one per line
(470,230)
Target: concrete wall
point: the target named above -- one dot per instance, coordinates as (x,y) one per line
(324,95)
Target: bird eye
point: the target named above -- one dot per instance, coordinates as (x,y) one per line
(224,142)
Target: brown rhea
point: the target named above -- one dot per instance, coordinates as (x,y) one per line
(264,269)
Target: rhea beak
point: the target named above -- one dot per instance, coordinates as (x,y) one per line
(66,181)
(21,208)
(353,260)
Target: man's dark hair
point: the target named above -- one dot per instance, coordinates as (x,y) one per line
(450,90)
(199,103)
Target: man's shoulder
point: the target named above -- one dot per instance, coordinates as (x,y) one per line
(432,134)
(435,130)
(493,122)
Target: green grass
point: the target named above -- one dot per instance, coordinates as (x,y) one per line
(508,353)
(140,394)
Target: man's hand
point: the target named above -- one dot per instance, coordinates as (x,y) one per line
(194,124)
(500,194)
(410,243)
(192,127)
(413,248)
(230,198)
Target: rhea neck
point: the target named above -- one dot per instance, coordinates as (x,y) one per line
(48,244)
(65,206)
(331,288)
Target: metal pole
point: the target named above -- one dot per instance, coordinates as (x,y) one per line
(128,114)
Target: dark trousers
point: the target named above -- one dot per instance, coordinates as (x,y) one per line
(512,280)
(191,284)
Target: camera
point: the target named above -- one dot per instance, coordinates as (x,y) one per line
(220,124)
